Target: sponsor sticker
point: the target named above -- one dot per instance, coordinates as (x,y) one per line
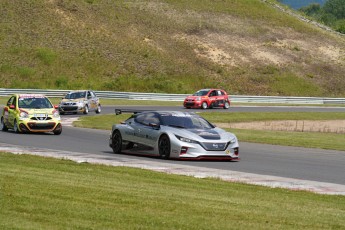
(23,96)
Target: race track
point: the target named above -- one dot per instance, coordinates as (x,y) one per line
(286,162)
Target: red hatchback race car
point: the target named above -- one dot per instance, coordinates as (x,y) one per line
(208,98)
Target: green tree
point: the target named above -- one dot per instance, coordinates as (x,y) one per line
(313,9)
(340,26)
(336,8)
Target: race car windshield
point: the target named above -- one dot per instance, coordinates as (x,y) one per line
(34,103)
(75,95)
(201,93)
(186,122)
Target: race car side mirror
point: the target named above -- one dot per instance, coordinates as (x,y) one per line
(56,106)
(12,107)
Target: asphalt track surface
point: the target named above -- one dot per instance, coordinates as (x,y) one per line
(288,162)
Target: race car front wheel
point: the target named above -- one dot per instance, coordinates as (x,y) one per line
(116,142)
(226,105)
(15,127)
(86,109)
(3,126)
(164,147)
(58,130)
(204,105)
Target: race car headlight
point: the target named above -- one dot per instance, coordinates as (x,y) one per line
(56,114)
(80,104)
(23,114)
(198,99)
(233,141)
(184,139)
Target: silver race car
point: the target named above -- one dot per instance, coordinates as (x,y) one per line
(172,134)
(80,101)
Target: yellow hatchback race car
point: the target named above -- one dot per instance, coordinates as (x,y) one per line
(25,113)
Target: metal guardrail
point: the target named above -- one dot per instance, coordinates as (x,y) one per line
(181,97)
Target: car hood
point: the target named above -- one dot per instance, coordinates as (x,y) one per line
(209,134)
(72,100)
(193,97)
(39,111)
(203,134)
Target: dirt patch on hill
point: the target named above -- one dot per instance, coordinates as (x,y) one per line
(329,126)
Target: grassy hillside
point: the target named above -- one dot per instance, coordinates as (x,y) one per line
(173,46)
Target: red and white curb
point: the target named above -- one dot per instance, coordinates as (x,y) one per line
(167,167)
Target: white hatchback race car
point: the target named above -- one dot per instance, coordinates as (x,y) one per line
(80,101)
(172,134)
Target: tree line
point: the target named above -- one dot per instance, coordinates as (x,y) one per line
(332,14)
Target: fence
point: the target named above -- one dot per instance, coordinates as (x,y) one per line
(181,97)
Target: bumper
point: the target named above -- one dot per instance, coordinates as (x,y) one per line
(210,158)
(36,127)
(71,109)
(195,104)
(183,150)
(39,127)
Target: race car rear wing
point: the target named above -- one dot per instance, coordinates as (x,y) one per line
(134,111)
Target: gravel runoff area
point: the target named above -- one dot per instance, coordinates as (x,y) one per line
(168,167)
(328,126)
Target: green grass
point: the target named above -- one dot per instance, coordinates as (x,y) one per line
(301,139)
(45,193)
(271,116)
(331,141)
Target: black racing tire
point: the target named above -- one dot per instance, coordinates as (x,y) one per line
(99,109)
(86,109)
(3,126)
(226,105)
(204,105)
(116,142)
(164,147)
(58,130)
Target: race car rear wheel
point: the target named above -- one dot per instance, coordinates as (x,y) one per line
(204,105)
(98,110)
(116,142)
(164,147)
(3,126)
